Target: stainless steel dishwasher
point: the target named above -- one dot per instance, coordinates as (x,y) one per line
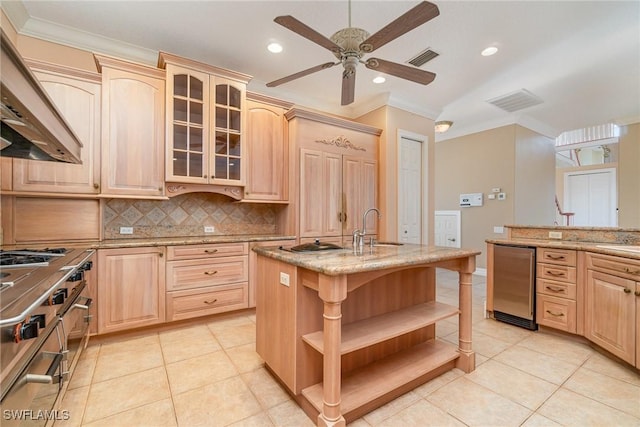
(514,270)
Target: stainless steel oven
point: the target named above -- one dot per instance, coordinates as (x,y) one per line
(45,312)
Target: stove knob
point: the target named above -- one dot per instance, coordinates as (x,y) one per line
(25,331)
(76,277)
(87,266)
(58,297)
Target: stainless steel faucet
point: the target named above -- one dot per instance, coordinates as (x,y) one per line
(358,235)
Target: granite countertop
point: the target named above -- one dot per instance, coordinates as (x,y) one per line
(615,249)
(345,261)
(155,241)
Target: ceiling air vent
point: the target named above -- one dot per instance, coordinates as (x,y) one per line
(423,57)
(515,101)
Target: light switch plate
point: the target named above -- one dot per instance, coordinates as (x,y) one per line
(209,229)
(555,234)
(126,230)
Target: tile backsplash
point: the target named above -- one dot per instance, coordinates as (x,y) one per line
(186,215)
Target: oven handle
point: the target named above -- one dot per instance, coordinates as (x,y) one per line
(47,378)
(85,306)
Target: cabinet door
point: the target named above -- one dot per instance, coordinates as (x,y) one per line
(133,133)
(611,314)
(131,288)
(267,152)
(187,125)
(226,161)
(359,194)
(79,102)
(311,193)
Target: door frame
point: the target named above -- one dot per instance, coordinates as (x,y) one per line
(458,216)
(424,184)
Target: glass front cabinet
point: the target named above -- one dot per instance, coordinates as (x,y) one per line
(205,124)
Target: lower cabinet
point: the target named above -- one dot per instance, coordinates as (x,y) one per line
(206,279)
(131,288)
(613,305)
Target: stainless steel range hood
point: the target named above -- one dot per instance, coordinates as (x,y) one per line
(32,127)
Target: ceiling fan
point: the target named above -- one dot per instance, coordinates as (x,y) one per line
(350,44)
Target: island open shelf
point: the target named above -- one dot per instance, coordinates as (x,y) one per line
(388,378)
(346,332)
(373,330)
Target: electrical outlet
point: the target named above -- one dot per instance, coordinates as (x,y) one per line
(498,229)
(126,230)
(502,196)
(555,234)
(209,229)
(284,279)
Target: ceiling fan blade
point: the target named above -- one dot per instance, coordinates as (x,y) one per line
(399,70)
(301,74)
(307,32)
(348,86)
(415,17)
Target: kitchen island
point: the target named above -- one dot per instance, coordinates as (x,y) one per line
(346,332)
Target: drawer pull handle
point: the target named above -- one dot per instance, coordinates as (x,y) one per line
(627,290)
(211,273)
(552,289)
(555,314)
(210,251)
(555,273)
(556,257)
(630,271)
(211,302)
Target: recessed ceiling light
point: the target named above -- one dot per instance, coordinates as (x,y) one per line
(489,51)
(379,79)
(275,47)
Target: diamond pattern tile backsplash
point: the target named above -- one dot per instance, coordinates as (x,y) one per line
(186,215)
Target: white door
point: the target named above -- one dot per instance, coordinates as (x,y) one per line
(447,228)
(409,190)
(591,196)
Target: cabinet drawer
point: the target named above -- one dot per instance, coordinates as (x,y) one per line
(208,272)
(556,313)
(557,289)
(623,267)
(202,302)
(207,251)
(556,256)
(556,272)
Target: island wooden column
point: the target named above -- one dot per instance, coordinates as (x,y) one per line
(467,359)
(332,290)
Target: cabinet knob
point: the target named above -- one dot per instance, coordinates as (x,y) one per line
(96,185)
(637,293)
(160,254)
(204,176)
(627,290)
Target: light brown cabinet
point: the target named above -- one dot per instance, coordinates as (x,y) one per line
(77,95)
(267,151)
(131,288)
(335,190)
(556,289)
(132,129)
(206,279)
(613,305)
(205,123)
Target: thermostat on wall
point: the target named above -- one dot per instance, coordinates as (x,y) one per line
(472,199)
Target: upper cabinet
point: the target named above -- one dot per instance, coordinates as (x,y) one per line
(267,150)
(132,129)
(205,131)
(76,94)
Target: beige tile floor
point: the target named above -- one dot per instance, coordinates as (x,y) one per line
(210,375)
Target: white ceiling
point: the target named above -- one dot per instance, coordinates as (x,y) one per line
(581,58)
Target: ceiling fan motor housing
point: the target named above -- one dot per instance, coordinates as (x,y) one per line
(350,39)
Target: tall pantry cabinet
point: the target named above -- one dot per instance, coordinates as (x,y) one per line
(336,162)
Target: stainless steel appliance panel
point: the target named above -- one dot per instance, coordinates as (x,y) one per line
(514,285)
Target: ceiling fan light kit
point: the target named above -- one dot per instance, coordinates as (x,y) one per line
(350,44)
